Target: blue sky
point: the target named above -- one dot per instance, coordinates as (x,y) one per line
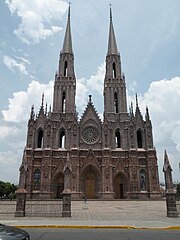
(31,38)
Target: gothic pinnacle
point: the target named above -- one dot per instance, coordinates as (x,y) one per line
(42,103)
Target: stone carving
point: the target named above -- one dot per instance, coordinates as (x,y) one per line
(134,173)
(107,172)
(46,173)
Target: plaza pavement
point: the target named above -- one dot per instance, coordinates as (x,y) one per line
(97,214)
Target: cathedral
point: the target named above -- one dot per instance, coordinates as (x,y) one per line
(113,158)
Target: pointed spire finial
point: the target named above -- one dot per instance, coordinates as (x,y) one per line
(132,108)
(167,169)
(112,46)
(166,162)
(165,154)
(46,109)
(110,5)
(136,100)
(147,113)
(42,103)
(90,96)
(67,46)
(32,112)
(49,113)
(69,10)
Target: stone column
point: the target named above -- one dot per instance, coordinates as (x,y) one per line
(171,203)
(170,192)
(66,212)
(20,202)
(67,189)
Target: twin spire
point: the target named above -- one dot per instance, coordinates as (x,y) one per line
(67,46)
(112,46)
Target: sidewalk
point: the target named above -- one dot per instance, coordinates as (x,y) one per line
(124,214)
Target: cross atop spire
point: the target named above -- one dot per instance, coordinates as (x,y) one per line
(110,5)
(112,46)
(67,46)
(69,10)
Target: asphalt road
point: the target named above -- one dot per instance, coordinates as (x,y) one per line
(101,234)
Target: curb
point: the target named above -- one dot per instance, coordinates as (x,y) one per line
(100,227)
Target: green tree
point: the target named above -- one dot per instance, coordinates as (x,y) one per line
(7,190)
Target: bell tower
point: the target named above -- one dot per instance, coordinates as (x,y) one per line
(114,83)
(65,80)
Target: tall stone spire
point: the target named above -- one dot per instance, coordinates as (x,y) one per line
(112,46)
(114,82)
(67,46)
(65,79)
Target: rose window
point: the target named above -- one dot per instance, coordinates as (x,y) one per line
(90,135)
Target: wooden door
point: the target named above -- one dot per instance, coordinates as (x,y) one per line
(90,186)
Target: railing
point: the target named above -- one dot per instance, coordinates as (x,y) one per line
(44,208)
(34,208)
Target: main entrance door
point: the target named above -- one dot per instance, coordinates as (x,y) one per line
(90,186)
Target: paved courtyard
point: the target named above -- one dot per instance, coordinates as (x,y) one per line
(143,214)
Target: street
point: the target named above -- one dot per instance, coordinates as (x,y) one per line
(101,234)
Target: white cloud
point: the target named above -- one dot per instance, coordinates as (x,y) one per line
(95,82)
(163,98)
(81,95)
(7,131)
(12,64)
(20,105)
(26,61)
(10,163)
(36,18)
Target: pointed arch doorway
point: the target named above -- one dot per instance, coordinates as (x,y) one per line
(90,186)
(90,182)
(58,185)
(120,186)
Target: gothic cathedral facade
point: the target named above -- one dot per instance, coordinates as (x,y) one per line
(113,158)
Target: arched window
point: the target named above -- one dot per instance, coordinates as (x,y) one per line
(142,180)
(115,102)
(65,68)
(40,139)
(62,138)
(118,139)
(37,179)
(139,139)
(63,102)
(114,70)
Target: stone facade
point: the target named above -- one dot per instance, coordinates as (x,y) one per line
(110,158)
